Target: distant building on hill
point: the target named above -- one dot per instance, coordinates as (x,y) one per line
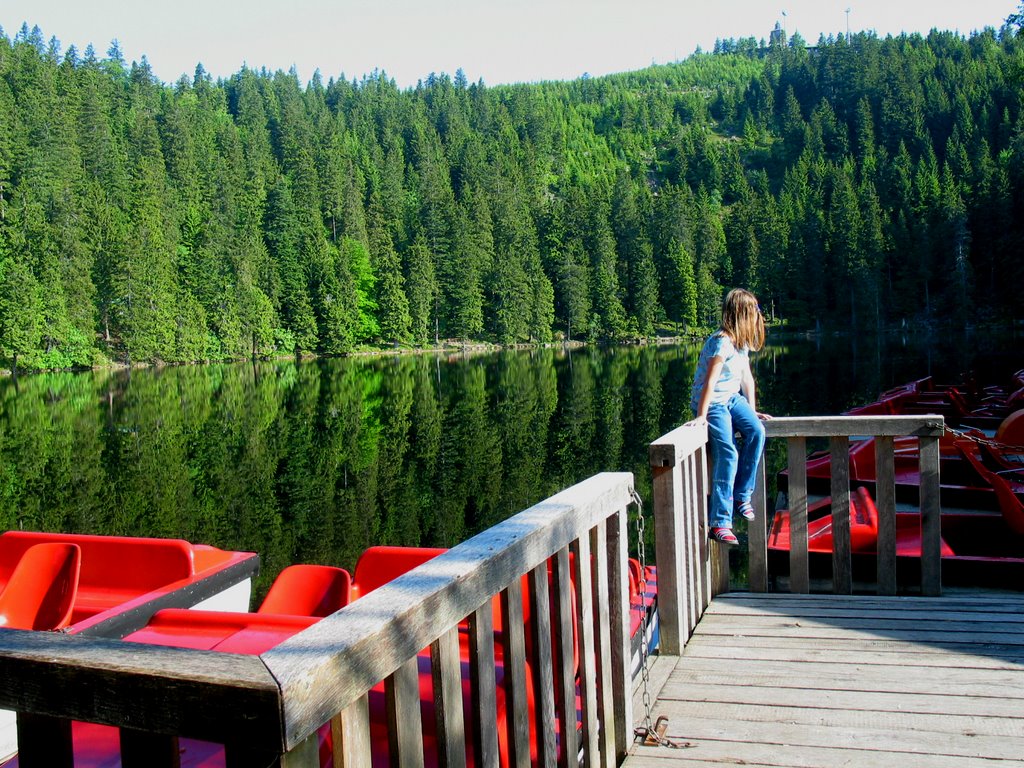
(777,36)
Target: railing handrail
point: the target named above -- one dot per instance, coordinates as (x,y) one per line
(927,425)
(690,570)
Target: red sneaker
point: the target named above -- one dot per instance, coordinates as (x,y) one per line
(725,536)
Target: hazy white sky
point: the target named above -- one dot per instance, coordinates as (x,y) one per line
(500,41)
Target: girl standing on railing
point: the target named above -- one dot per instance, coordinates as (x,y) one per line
(724,398)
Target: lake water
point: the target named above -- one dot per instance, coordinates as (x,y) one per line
(314,461)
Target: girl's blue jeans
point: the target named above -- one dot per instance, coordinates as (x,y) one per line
(734,470)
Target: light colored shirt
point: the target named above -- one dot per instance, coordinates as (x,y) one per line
(736,362)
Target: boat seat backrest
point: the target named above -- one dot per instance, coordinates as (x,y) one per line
(308,590)
(379,565)
(113,568)
(40,593)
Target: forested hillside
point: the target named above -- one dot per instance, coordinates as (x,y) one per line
(856,184)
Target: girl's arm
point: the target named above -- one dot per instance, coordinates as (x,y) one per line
(747,388)
(714,372)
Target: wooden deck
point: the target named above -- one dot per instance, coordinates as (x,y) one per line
(808,680)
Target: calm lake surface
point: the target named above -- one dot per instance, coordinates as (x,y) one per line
(315,461)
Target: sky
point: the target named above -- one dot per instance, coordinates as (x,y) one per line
(498,41)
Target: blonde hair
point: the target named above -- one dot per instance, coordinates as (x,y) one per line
(742,320)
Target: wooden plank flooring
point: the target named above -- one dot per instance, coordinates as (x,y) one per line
(818,680)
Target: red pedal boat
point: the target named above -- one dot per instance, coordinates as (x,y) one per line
(109,586)
(962,485)
(976,549)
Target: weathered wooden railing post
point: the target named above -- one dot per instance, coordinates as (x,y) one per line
(679,470)
(757,536)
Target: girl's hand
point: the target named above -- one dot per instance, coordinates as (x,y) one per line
(764,416)
(699,421)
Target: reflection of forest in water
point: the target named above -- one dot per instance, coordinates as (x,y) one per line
(315,461)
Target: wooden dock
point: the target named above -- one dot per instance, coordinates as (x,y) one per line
(824,680)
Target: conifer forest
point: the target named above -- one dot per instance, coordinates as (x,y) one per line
(858,183)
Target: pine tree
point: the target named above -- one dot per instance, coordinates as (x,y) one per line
(21,312)
(422,290)
(392,303)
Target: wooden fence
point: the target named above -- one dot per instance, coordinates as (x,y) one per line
(839,429)
(273,709)
(691,570)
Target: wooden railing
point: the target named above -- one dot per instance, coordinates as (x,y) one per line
(838,429)
(691,571)
(268,710)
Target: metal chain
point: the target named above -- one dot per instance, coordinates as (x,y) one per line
(645,673)
(991,443)
(647,731)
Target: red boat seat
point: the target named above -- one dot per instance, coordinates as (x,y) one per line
(1011,430)
(863,526)
(379,565)
(308,590)
(224,631)
(40,592)
(114,569)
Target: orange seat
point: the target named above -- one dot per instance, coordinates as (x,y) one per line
(40,593)
(379,565)
(114,569)
(308,590)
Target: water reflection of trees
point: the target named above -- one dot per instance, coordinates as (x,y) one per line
(314,461)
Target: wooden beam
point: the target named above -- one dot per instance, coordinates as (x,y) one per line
(483,687)
(565,647)
(588,658)
(44,742)
(543,666)
(669,530)
(149,750)
(405,726)
(446,668)
(350,735)
(931,526)
(885,503)
(843,426)
(514,657)
(175,691)
(757,534)
(842,560)
(799,573)
(668,450)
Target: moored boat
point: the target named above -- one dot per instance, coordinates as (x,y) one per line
(991,416)
(110,586)
(976,549)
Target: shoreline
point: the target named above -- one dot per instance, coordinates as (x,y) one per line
(452,346)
